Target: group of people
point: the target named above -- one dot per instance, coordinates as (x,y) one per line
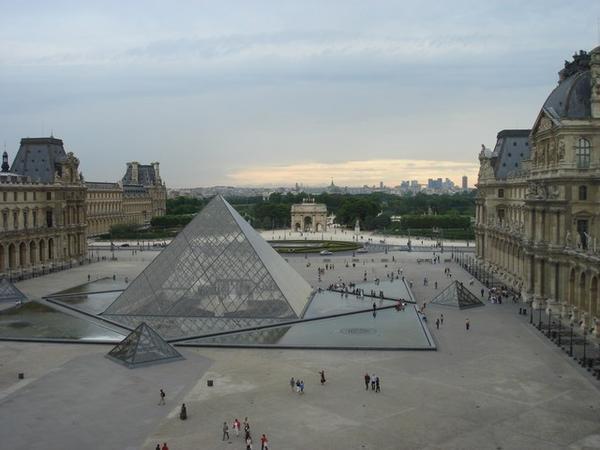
(237,426)
(373,381)
(297,385)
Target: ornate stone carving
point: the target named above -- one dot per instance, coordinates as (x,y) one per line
(554,192)
(537,190)
(568,242)
(545,124)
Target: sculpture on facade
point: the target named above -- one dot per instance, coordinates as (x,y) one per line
(561,150)
(568,240)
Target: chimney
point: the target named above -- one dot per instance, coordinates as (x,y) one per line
(156,171)
(5,165)
(135,172)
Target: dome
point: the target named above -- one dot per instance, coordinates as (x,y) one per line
(571,98)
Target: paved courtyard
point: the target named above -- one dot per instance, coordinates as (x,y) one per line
(501,385)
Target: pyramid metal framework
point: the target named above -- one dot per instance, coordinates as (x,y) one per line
(457,295)
(217,275)
(8,292)
(143,346)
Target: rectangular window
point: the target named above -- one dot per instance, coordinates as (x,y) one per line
(48,195)
(34,195)
(582,230)
(501,215)
(34,217)
(15,220)
(25,217)
(25,196)
(15,196)
(500,193)
(5,220)
(49,218)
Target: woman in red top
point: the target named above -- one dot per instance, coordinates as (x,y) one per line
(264,443)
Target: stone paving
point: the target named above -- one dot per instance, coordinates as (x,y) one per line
(500,385)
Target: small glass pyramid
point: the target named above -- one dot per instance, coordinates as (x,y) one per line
(457,295)
(143,346)
(8,292)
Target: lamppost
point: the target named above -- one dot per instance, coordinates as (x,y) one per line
(571,341)
(549,322)
(540,318)
(584,346)
(559,329)
(531,312)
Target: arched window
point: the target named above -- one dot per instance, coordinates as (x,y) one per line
(582,192)
(582,153)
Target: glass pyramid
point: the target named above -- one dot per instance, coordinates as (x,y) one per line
(143,346)
(8,292)
(218,274)
(457,295)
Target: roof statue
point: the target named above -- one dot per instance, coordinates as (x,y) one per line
(143,346)
(457,295)
(218,274)
(8,292)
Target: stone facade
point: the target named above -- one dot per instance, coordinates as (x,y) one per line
(104,205)
(139,196)
(43,214)
(309,216)
(538,211)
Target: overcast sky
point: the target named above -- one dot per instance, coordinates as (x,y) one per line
(278,92)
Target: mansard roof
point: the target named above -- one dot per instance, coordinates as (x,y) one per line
(38,158)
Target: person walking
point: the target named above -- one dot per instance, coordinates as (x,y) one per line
(157,447)
(441,319)
(437,324)
(482,292)
(323,380)
(467,324)
(301,386)
(183,412)
(292,384)
(248,442)
(236,426)
(264,442)
(377,385)
(367,381)
(225,431)
(246,427)
(373,378)
(165,446)
(162,397)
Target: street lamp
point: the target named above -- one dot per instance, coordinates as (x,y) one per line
(571,341)
(531,312)
(559,329)
(584,345)
(549,322)
(540,318)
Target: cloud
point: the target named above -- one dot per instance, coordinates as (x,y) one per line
(354,173)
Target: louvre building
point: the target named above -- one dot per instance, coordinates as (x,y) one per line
(538,204)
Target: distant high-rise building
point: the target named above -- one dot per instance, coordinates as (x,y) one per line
(465,183)
(381,185)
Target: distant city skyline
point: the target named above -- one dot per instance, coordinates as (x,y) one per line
(261,92)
